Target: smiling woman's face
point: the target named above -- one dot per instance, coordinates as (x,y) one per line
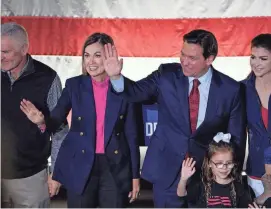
(93,61)
(260,61)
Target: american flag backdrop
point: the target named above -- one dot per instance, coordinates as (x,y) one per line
(146,32)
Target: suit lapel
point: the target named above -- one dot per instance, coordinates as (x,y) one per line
(182,87)
(88,105)
(212,99)
(255,101)
(113,104)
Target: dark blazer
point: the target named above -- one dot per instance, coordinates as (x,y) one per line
(76,155)
(172,138)
(259,138)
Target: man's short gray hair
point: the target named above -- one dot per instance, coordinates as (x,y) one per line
(15,31)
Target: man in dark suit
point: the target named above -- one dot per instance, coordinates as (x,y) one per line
(195,102)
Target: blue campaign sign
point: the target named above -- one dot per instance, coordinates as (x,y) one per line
(150,120)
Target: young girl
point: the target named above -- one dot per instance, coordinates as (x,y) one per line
(220,185)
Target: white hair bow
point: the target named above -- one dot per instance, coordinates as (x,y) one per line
(222,137)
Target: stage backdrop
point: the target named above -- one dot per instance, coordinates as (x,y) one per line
(146,32)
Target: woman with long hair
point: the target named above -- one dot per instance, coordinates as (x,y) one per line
(258,104)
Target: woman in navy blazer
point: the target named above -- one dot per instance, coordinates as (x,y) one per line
(98,162)
(258,101)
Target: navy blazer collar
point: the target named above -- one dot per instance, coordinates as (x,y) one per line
(215,77)
(113,104)
(250,81)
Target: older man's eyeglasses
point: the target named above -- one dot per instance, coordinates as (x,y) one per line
(221,165)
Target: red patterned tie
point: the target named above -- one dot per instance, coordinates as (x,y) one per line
(194,105)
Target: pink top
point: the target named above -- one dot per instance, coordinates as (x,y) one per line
(100,96)
(265,116)
(264,112)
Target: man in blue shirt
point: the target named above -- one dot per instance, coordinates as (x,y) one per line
(195,102)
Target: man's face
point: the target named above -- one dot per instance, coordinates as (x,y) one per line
(192,60)
(12,53)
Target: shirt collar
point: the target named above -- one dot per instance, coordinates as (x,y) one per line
(101,84)
(22,71)
(204,78)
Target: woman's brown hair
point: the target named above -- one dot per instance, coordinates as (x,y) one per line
(101,38)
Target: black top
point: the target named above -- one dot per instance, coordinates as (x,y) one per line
(24,150)
(267,203)
(220,196)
